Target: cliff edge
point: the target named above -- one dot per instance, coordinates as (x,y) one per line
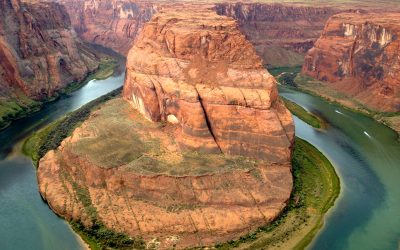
(196,69)
(358,54)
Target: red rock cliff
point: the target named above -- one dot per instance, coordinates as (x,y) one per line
(112,24)
(39,52)
(281,34)
(359,55)
(196,69)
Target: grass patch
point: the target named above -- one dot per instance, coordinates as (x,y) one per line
(303,114)
(316,187)
(51,136)
(16,107)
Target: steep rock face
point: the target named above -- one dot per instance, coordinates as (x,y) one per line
(39,51)
(197,70)
(112,24)
(281,34)
(359,55)
(127,173)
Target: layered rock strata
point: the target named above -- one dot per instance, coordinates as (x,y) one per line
(359,55)
(197,70)
(281,34)
(39,51)
(127,173)
(112,24)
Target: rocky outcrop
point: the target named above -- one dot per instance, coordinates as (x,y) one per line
(281,34)
(39,52)
(112,24)
(197,70)
(359,55)
(127,173)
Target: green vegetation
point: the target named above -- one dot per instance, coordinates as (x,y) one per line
(303,114)
(279,70)
(98,236)
(16,107)
(316,187)
(106,68)
(51,136)
(19,106)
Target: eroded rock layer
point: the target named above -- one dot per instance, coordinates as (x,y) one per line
(120,170)
(281,34)
(196,69)
(112,24)
(39,51)
(359,55)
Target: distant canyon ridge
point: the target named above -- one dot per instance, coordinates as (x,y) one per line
(282,35)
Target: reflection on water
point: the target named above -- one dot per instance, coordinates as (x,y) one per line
(26,221)
(366,156)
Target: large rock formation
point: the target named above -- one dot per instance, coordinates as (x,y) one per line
(281,34)
(130,171)
(127,173)
(39,52)
(112,24)
(359,55)
(196,69)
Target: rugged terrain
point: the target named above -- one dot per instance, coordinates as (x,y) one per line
(281,34)
(204,158)
(112,24)
(39,54)
(123,171)
(358,54)
(197,70)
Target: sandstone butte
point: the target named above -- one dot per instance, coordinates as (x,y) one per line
(39,51)
(168,182)
(197,70)
(358,54)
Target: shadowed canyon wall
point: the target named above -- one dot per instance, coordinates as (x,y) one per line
(281,34)
(112,24)
(359,55)
(39,51)
(40,54)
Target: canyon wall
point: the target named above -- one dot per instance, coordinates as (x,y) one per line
(112,24)
(197,70)
(281,34)
(39,51)
(359,55)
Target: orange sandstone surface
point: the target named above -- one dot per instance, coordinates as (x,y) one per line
(196,69)
(358,54)
(204,155)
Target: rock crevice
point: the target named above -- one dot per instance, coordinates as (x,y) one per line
(213,83)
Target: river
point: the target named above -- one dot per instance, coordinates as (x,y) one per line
(366,156)
(26,222)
